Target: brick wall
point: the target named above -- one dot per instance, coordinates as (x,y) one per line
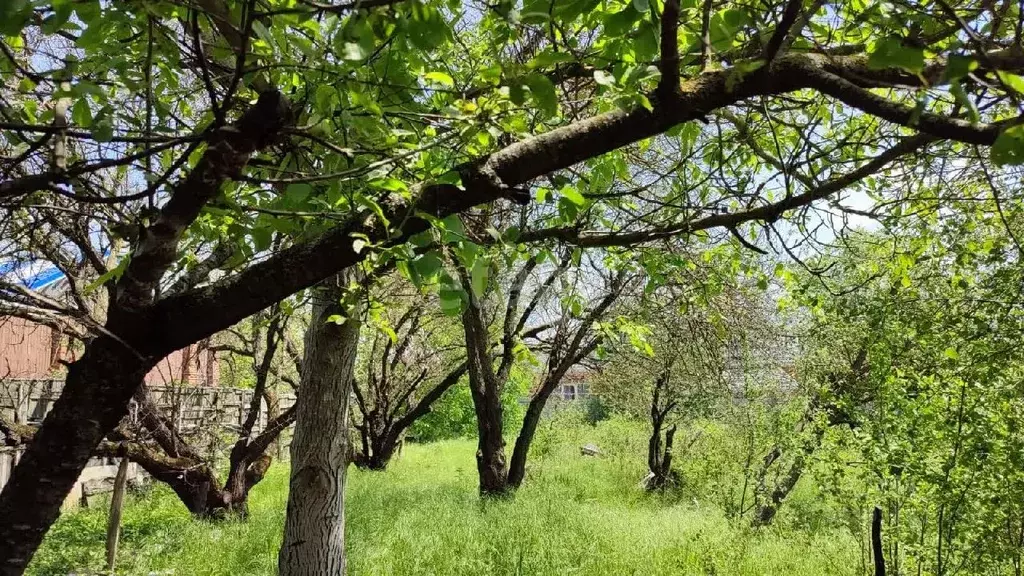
(31,351)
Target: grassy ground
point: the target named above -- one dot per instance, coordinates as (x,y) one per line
(577,515)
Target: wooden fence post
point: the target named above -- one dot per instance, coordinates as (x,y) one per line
(114,520)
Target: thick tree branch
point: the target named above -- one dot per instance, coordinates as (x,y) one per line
(669,82)
(768,213)
(789,16)
(227,155)
(195,314)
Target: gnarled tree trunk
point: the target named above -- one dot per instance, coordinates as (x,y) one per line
(381,439)
(490,452)
(96,393)
(314,533)
(486,385)
(659,452)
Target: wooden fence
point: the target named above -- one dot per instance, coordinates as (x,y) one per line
(202,414)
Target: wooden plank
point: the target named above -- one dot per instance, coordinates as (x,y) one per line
(6,466)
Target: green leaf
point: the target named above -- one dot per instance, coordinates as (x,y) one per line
(362,200)
(426,29)
(440,78)
(261,237)
(354,51)
(103,131)
(390,184)
(478,276)
(725,26)
(959,66)
(641,6)
(890,53)
(1009,147)
(517,93)
(81,115)
(297,193)
(951,353)
(14,15)
(549,58)
(573,195)
(961,96)
(1012,80)
(454,229)
(543,92)
(427,266)
(112,274)
(619,23)
(452,300)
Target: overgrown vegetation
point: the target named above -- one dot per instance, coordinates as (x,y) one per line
(780,235)
(577,514)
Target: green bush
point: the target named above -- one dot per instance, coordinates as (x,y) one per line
(596,410)
(452,415)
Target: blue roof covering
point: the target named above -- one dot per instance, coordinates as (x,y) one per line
(46,275)
(36,275)
(44,278)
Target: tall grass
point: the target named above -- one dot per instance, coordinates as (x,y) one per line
(576,515)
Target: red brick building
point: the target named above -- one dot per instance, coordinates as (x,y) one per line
(31,351)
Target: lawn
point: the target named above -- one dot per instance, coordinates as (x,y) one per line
(577,515)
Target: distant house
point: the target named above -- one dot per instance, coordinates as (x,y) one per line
(574,385)
(33,351)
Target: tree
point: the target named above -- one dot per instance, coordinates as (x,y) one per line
(487,378)
(314,530)
(405,366)
(935,315)
(676,351)
(186,462)
(574,341)
(467,123)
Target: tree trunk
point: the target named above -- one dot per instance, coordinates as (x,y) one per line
(485,385)
(517,468)
(659,458)
(490,453)
(96,393)
(767,505)
(314,533)
(659,454)
(380,444)
(876,542)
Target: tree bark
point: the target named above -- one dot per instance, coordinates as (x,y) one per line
(517,467)
(485,387)
(96,393)
(100,385)
(876,542)
(314,534)
(490,453)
